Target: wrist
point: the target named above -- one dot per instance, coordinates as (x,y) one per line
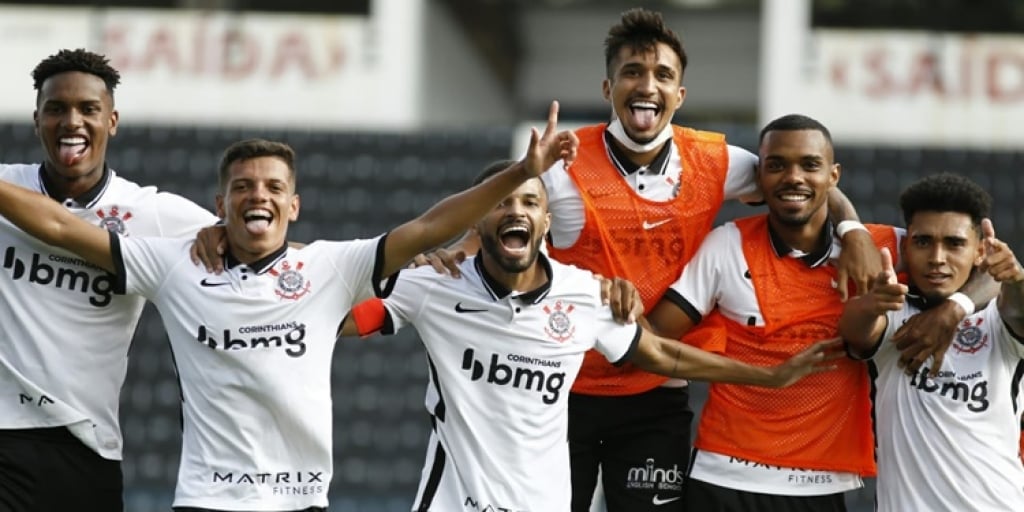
(963,301)
(847,226)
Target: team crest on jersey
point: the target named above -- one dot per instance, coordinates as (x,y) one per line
(291,284)
(970,338)
(559,327)
(114,219)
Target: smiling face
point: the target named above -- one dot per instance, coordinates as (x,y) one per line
(512,233)
(940,250)
(645,89)
(796,171)
(74,118)
(257,204)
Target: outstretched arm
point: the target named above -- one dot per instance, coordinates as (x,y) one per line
(453,215)
(53,224)
(674,359)
(1002,265)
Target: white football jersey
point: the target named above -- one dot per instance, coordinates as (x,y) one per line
(252,348)
(65,332)
(950,443)
(501,364)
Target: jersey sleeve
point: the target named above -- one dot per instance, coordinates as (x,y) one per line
(180,218)
(407,298)
(616,341)
(565,204)
(142,264)
(741,178)
(698,288)
(358,264)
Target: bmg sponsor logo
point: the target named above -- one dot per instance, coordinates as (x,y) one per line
(289,335)
(650,476)
(58,272)
(948,385)
(548,384)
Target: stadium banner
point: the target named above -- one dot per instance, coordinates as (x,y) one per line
(222,68)
(887,87)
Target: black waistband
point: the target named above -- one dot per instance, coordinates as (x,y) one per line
(50,434)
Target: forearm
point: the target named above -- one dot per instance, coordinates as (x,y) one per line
(859,326)
(679,360)
(36,214)
(456,213)
(1011,305)
(981,288)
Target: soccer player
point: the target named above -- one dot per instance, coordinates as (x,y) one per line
(762,288)
(948,442)
(636,204)
(253,345)
(65,331)
(505,342)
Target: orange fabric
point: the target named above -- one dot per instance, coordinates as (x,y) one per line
(822,422)
(369,316)
(614,243)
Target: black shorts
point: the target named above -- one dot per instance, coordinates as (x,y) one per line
(640,442)
(706,497)
(50,470)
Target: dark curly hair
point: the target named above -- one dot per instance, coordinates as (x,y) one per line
(254,148)
(946,192)
(641,30)
(76,60)
(795,122)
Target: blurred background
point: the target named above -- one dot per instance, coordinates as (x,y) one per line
(392,104)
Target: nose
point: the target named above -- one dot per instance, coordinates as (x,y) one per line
(647,82)
(72,118)
(937,256)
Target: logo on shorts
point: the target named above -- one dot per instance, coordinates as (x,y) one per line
(559,326)
(970,338)
(113,220)
(291,284)
(651,477)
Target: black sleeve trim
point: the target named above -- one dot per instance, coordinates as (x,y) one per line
(675,298)
(378,267)
(388,327)
(118,261)
(632,347)
(1017,337)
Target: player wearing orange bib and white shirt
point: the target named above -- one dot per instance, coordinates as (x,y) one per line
(253,345)
(762,287)
(946,442)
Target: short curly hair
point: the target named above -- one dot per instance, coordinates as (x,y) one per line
(946,192)
(76,60)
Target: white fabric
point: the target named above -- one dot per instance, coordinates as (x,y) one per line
(253,353)
(566,206)
(65,335)
(749,476)
(500,374)
(616,129)
(950,443)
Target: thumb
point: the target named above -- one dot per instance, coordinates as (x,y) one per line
(887,268)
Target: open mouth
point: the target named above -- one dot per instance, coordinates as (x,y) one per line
(644,114)
(72,149)
(515,238)
(257,221)
(794,197)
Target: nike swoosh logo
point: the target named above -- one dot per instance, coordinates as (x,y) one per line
(460,309)
(206,283)
(657,501)
(652,225)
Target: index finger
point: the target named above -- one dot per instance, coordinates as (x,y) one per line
(987,230)
(552,119)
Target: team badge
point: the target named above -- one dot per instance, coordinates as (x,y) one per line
(291,284)
(559,326)
(970,338)
(113,220)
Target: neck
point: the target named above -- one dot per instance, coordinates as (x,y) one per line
(64,187)
(805,237)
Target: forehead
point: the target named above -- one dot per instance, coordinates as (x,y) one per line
(531,187)
(660,55)
(259,168)
(74,85)
(795,143)
(941,225)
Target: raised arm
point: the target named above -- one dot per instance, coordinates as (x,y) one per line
(863,319)
(53,224)
(858,259)
(674,359)
(1002,265)
(453,215)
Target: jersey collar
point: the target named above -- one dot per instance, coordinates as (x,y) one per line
(626,166)
(85,200)
(498,290)
(261,265)
(817,257)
